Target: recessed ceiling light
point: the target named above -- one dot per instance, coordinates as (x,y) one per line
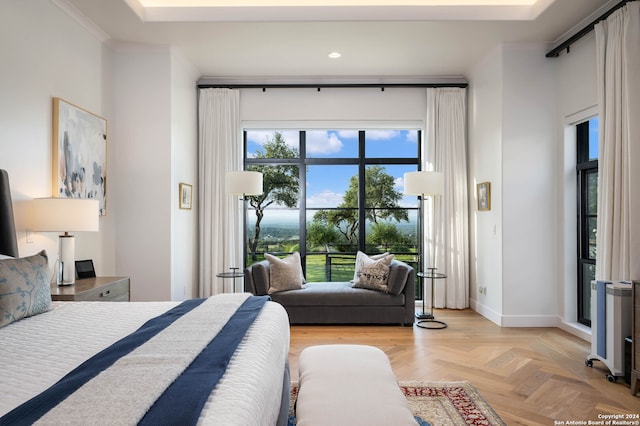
(334,55)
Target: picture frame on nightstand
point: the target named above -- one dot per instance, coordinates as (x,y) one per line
(84,269)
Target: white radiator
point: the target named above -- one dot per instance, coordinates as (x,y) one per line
(610,325)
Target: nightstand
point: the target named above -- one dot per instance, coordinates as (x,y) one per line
(98,289)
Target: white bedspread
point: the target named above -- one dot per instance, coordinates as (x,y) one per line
(36,352)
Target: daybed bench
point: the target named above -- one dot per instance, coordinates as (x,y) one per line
(339,302)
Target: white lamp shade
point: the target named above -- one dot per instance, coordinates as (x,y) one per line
(244,182)
(64,214)
(423,183)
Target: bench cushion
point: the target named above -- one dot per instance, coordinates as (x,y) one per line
(336,294)
(349,385)
(257,277)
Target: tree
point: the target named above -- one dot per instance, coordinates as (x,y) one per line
(381,203)
(345,221)
(320,233)
(280,183)
(380,195)
(385,234)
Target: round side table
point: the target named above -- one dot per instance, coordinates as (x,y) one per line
(427,320)
(233,274)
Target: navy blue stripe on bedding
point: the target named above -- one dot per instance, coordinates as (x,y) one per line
(38,406)
(184,399)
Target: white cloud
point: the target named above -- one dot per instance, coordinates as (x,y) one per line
(348,134)
(261,137)
(323,143)
(412,136)
(325,198)
(399,183)
(380,135)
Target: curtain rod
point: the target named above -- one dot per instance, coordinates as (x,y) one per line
(583,32)
(381,86)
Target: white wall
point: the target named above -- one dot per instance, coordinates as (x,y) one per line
(512,145)
(46,54)
(528,188)
(485,165)
(184,166)
(333,105)
(156,242)
(142,170)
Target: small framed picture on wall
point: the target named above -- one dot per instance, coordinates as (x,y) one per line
(185,196)
(483,192)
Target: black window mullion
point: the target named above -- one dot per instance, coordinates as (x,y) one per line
(302,179)
(362,202)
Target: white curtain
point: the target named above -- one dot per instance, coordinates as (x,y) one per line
(446,151)
(618,74)
(220,215)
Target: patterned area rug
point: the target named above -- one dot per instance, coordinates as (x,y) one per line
(439,404)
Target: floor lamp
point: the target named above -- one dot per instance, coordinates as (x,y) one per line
(424,184)
(65,215)
(241,183)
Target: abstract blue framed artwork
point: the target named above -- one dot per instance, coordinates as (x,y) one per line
(79,153)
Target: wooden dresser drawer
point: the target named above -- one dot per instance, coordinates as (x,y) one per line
(117,291)
(99,289)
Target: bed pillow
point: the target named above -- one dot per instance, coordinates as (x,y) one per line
(284,274)
(371,273)
(24,287)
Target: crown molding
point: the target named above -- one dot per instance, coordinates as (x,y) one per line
(74,13)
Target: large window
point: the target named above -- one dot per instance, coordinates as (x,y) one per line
(330,193)
(587,174)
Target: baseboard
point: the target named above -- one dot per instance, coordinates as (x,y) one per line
(514,320)
(577,329)
(485,311)
(530,321)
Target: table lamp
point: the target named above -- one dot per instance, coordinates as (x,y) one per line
(65,215)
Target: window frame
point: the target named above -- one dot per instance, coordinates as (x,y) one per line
(584,168)
(361,162)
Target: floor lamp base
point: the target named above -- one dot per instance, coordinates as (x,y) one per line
(431,324)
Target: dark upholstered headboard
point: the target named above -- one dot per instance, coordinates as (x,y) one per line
(8,241)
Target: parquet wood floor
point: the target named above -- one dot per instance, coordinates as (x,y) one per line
(530,376)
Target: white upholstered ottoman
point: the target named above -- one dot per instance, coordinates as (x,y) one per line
(349,385)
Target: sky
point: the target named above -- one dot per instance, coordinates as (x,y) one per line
(593,138)
(326,184)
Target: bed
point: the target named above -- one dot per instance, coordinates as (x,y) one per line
(166,350)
